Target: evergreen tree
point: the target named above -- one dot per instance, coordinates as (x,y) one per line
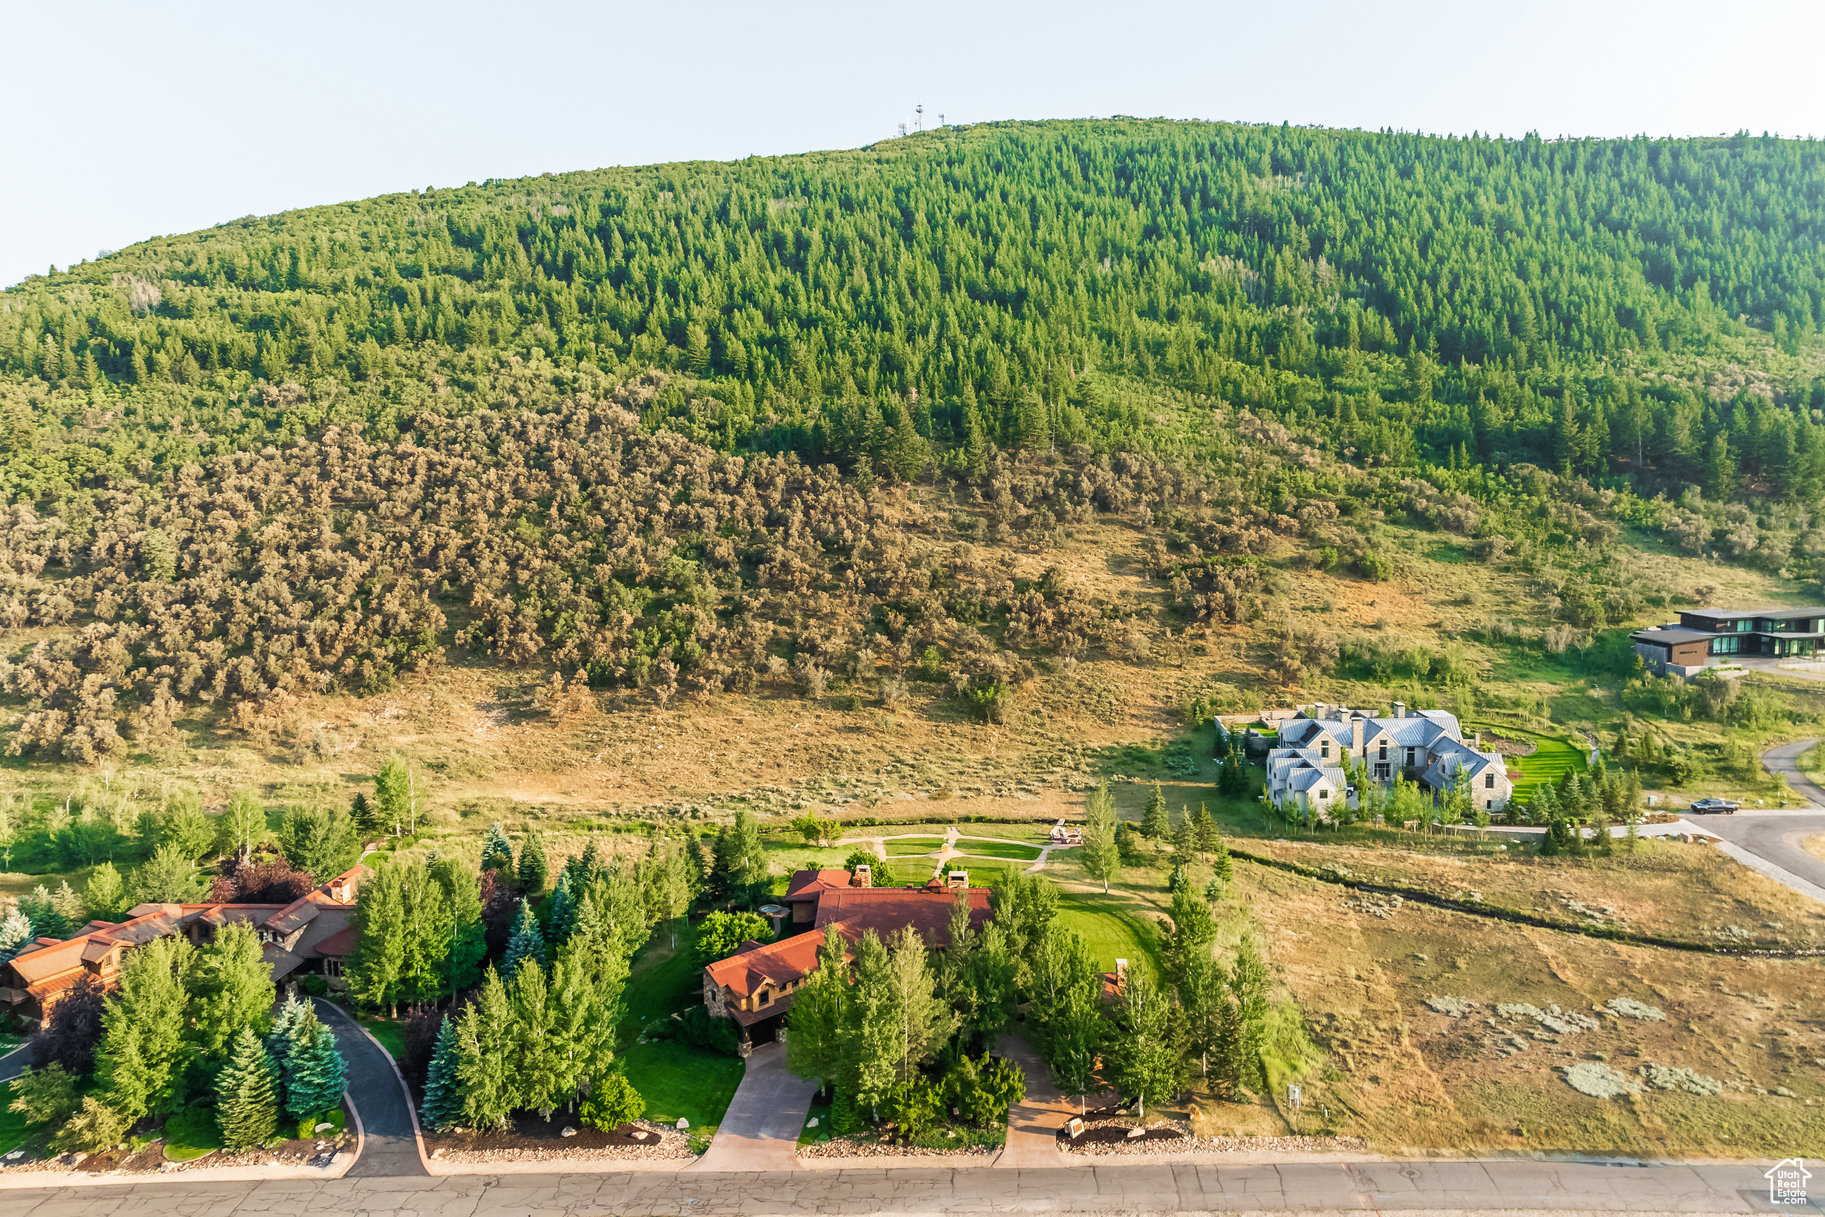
(68,905)
(527,943)
(817,1046)
(539,1057)
(1144,1060)
(497,851)
(1204,832)
(290,1016)
(561,911)
(468,936)
(314,1071)
(247,1100)
(373,970)
(441,1106)
(105,894)
(533,868)
(483,1057)
(1189,932)
(1101,858)
(230,991)
(1156,825)
(15,934)
(167,877)
(426,937)
(139,1067)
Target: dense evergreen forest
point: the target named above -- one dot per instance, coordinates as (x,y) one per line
(651,425)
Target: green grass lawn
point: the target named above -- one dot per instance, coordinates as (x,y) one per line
(663,980)
(391,1032)
(1553,757)
(13,1131)
(924,845)
(820,1111)
(1113,926)
(998,849)
(191,1134)
(676,1080)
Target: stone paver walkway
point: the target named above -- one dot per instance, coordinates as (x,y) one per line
(760,1130)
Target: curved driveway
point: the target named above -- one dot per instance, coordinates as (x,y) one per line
(390,1148)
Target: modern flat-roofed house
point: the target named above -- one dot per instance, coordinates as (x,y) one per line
(314,932)
(755,986)
(1307,765)
(1702,637)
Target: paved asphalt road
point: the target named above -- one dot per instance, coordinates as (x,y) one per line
(391,1148)
(1409,1187)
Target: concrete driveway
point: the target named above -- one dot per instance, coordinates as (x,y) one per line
(760,1130)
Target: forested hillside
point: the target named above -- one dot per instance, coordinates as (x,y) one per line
(656,428)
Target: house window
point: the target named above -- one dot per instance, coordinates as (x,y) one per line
(1324,794)
(1489,781)
(1381,772)
(332,968)
(1384,751)
(1409,758)
(763,998)
(1324,748)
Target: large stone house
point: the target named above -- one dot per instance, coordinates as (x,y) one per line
(1306,767)
(1702,637)
(755,986)
(313,933)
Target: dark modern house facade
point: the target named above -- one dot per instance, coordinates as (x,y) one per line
(1702,637)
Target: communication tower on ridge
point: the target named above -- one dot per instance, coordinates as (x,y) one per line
(920,111)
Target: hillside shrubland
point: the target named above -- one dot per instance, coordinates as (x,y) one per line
(699,428)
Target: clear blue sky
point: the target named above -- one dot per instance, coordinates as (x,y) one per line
(124,120)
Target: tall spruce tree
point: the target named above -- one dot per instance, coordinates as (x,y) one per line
(314,1071)
(484,1057)
(442,1105)
(1156,825)
(533,867)
(497,850)
(247,1094)
(230,990)
(140,1061)
(375,967)
(527,944)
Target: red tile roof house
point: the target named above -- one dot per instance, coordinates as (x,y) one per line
(315,929)
(755,985)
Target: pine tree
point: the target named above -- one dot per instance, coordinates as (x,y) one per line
(1144,1060)
(284,1023)
(561,911)
(497,851)
(15,934)
(527,943)
(539,1055)
(315,1074)
(247,1101)
(1222,868)
(441,1106)
(816,1048)
(533,868)
(468,936)
(483,1057)
(68,905)
(140,1060)
(1156,825)
(1204,830)
(374,968)
(426,938)
(105,894)
(231,990)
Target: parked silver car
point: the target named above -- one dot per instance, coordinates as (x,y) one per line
(1715,807)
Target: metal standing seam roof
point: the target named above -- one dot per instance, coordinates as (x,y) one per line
(1769,614)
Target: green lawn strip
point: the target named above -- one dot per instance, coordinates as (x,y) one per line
(190,1134)
(998,849)
(13,1130)
(678,1080)
(907,849)
(1114,927)
(391,1032)
(663,980)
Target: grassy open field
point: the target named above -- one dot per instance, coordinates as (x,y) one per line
(1115,926)
(997,849)
(1494,1077)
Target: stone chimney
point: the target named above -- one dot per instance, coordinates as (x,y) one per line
(1318,709)
(1121,975)
(957,878)
(1400,709)
(1356,736)
(863,876)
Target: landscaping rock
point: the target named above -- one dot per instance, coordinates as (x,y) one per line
(323,1127)
(811,1123)
(683,1124)
(1662,1077)
(567,1131)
